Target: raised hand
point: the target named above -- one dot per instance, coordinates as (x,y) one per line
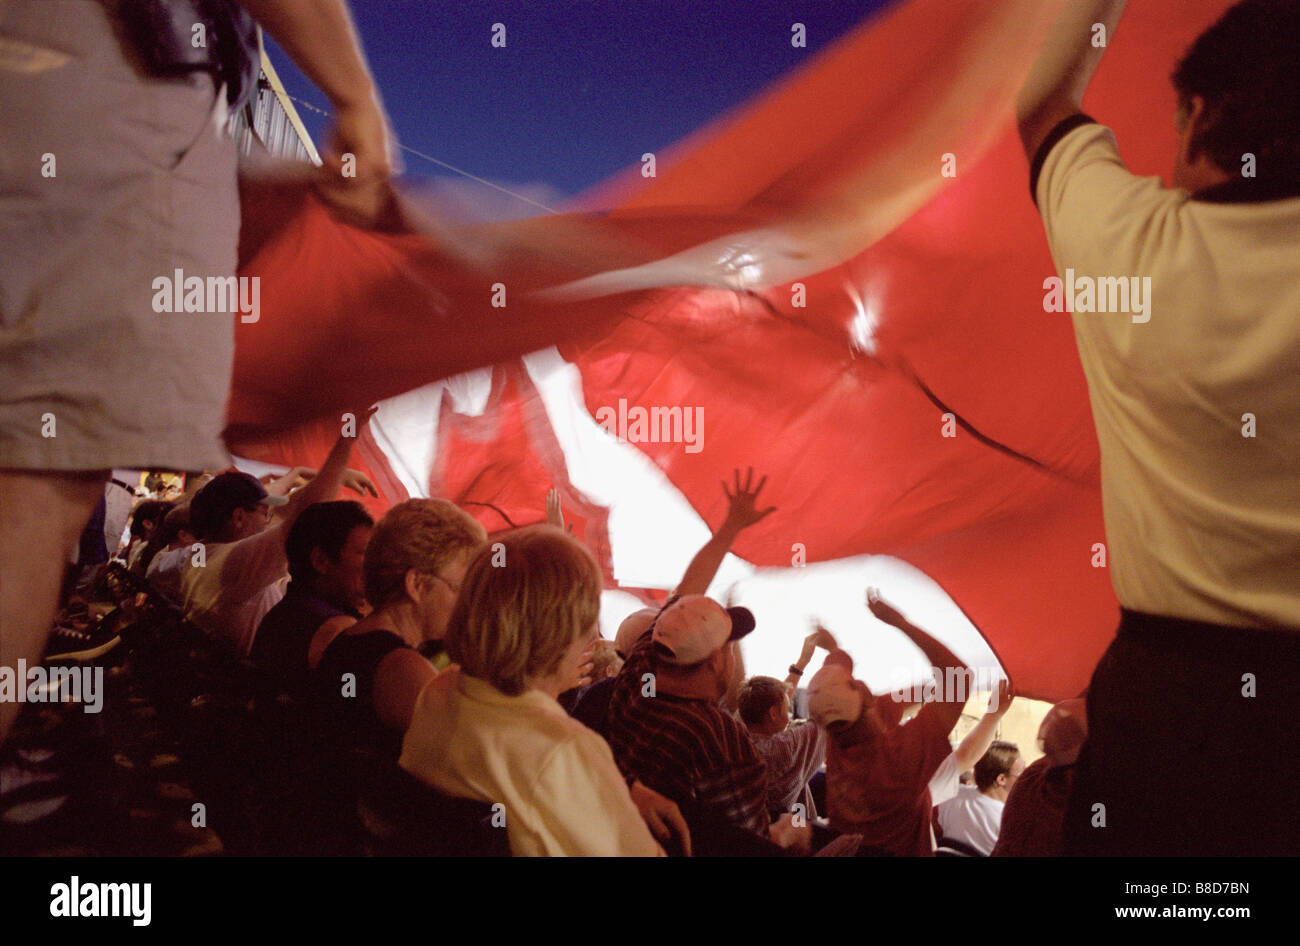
(883,610)
(554,511)
(362,130)
(359,159)
(822,638)
(358,482)
(1000,700)
(818,638)
(743,510)
(363,416)
(284,485)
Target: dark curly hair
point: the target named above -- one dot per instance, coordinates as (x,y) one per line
(1244,67)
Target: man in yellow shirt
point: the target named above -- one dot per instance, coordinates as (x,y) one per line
(1185,303)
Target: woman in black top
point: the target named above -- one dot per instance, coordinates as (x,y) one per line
(367,674)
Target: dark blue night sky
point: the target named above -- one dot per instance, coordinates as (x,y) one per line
(582,89)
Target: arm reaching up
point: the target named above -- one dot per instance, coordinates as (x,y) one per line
(1064,67)
(299,476)
(250,559)
(333,475)
(941,658)
(742,513)
(320,38)
(979,739)
(286,484)
(820,637)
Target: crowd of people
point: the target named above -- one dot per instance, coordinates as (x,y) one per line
(419,646)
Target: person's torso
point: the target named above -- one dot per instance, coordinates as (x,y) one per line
(682,748)
(869,793)
(228,609)
(790,764)
(971,818)
(285,634)
(343,688)
(469,740)
(1197,413)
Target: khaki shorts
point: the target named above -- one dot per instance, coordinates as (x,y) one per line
(108,181)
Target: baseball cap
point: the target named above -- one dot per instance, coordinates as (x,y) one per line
(630,631)
(693,627)
(832,697)
(222,495)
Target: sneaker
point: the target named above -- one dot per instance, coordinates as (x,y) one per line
(71,642)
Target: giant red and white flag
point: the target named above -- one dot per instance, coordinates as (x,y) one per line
(840,284)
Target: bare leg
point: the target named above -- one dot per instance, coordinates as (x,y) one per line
(41,515)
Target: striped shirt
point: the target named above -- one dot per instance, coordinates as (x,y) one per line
(793,756)
(686,749)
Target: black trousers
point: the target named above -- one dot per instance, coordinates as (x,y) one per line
(1193,743)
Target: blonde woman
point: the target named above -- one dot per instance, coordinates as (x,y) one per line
(490,728)
(368,673)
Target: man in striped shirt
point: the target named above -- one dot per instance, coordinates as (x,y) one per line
(665,725)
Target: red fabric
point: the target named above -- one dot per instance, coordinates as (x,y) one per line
(1004,515)
(500,465)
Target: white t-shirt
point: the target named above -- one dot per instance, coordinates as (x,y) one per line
(164,573)
(1202,519)
(237,584)
(972,818)
(945,781)
(562,792)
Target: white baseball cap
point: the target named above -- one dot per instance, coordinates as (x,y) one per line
(694,627)
(833,697)
(630,631)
